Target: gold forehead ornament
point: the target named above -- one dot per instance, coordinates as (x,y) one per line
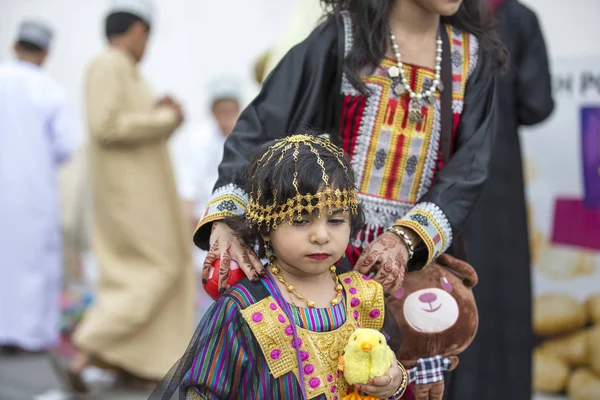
(275,213)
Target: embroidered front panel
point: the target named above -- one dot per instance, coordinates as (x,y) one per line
(319,351)
(431,224)
(396,159)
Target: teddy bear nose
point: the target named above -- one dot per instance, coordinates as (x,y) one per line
(427,297)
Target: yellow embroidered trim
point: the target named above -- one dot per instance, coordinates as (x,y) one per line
(212,218)
(433,221)
(192,395)
(375,132)
(320,350)
(415,226)
(374,299)
(466,59)
(215,216)
(426,235)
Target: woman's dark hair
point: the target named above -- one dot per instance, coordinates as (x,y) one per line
(372,29)
(120,22)
(29,47)
(270,178)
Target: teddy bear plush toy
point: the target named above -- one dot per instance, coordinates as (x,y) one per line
(437,316)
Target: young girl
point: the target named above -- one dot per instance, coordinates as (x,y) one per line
(281,337)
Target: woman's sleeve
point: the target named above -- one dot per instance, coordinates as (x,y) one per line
(445,208)
(295,96)
(216,363)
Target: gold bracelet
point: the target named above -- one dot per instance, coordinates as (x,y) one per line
(403,385)
(400,233)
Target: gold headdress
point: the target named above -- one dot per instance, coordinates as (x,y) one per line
(276,213)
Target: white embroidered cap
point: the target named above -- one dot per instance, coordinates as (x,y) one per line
(36,33)
(224,88)
(143,9)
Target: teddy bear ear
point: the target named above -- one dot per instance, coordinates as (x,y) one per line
(461,268)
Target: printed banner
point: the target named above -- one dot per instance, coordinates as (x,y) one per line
(562,158)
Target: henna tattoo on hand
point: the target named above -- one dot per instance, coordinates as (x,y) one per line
(224,270)
(388,240)
(215,247)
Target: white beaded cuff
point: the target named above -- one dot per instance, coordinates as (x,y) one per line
(431,224)
(226,201)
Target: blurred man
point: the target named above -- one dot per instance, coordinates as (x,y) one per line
(142,318)
(497,365)
(197,153)
(200,150)
(36,136)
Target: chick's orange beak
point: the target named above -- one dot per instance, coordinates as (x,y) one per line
(366,347)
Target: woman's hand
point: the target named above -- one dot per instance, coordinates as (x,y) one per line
(224,245)
(385,386)
(387,257)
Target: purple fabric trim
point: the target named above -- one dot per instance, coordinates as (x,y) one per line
(288,312)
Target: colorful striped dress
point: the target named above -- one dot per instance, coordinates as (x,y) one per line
(245,349)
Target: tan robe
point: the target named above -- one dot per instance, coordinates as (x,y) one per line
(142,319)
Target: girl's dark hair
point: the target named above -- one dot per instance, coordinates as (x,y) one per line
(267,177)
(371,39)
(120,22)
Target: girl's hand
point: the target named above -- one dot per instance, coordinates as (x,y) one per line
(224,245)
(387,257)
(385,386)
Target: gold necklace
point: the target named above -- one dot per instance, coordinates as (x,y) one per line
(311,304)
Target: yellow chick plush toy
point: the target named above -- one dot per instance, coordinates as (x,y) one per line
(367,355)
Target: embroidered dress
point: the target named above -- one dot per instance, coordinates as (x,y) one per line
(401,176)
(396,159)
(245,349)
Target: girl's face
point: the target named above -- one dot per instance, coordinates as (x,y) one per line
(444,8)
(310,246)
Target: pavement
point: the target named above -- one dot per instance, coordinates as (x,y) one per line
(31,377)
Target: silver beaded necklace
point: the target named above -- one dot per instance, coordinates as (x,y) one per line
(401,85)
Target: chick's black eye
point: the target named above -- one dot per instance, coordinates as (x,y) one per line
(380,342)
(355,338)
